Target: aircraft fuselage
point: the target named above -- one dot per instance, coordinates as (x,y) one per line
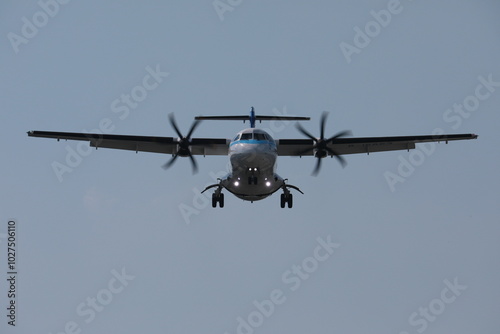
(253,156)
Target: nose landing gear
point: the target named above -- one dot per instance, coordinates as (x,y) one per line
(252,175)
(252,180)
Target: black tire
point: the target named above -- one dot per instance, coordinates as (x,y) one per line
(221,200)
(282,202)
(255,180)
(214,201)
(290,201)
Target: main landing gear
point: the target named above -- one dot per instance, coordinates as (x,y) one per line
(217,196)
(287,198)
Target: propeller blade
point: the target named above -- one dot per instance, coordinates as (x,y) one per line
(322,123)
(339,135)
(305,133)
(193,163)
(317,168)
(193,126)
(170,162)
(174,124)
(340,159)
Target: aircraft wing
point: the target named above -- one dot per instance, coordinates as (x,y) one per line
(303,147)
(168,145)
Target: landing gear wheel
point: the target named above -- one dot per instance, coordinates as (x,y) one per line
(255,180)
(217,199)
(221,200)
(286,199)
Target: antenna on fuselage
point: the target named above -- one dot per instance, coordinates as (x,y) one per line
(252,118)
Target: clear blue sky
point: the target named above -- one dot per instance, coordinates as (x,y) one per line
(118,214)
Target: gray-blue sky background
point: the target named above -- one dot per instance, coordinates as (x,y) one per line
(118,209)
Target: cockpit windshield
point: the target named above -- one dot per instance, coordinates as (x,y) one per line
(253,135)
(246,136)
(259,136)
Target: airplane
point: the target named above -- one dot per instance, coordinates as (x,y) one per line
(253,152)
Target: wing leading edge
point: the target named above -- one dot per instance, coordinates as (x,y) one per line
(167,145)
(220,146)
(299,147)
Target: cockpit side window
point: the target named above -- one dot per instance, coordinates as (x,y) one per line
(246,136)
(237,137)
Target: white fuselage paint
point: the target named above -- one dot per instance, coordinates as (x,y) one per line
(253,156)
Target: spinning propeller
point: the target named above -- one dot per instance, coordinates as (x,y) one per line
(320,147)
(183,143)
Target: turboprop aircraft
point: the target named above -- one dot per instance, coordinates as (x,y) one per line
(253,152)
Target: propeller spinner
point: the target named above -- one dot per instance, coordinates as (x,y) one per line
(183,144)
(320,147)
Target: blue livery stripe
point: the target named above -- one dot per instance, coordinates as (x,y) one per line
(250,141)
